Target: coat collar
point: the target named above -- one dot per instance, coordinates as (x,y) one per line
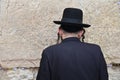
(71,39)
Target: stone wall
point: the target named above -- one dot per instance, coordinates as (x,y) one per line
(26,28)
(31,73)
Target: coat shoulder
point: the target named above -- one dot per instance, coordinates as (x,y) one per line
(91,45)
(50,48)
(84,44)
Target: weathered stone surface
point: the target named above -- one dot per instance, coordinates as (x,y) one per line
(26,28)
(114,73)
(31,73)
(104,15)
(18,74)
(3,75)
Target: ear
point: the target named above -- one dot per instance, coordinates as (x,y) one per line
(60,31)
(80,33)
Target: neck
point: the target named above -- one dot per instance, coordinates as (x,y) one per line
(68,36)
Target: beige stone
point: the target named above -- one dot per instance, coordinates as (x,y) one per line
(31,73)
(26,28)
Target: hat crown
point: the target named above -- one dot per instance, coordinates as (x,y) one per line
(73,13)
(72,16)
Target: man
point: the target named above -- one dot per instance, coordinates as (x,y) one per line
(72,59)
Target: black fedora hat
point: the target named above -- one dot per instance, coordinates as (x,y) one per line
(73,16)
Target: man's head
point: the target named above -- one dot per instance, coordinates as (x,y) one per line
(70,30)
(64,32)
(72,23)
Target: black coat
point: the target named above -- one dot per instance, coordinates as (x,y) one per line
(72,60)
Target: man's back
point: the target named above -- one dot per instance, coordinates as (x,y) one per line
(73,60)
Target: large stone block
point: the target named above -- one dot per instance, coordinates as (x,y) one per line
(26,28)
(31,73)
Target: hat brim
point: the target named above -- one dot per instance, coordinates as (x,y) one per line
(78,24)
